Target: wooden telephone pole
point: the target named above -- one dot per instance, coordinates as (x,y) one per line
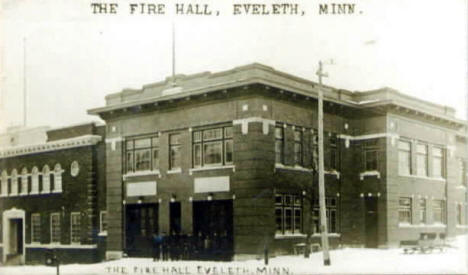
(323,213)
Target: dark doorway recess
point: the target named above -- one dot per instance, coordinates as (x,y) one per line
(213,228)
(371,222)
(141,222)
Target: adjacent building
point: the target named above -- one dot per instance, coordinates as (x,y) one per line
(52,194)
(233,154)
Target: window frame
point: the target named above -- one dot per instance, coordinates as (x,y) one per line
(199,143)
(405,208)
(279,140)
(177,145)
(441,158)
(422,158)
(283,205)
(422,210)
(298,146)
(408,155)
(33,226)
(442,209)
(101,219)
(154,145)
(55,214)
(72,236)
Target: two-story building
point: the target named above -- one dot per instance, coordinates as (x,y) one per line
(232,155)
(52,194)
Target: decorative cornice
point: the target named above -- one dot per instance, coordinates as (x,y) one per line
(50,146)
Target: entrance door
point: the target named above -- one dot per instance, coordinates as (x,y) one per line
(213,223)
(16,237)
(140,225)
(174,218)
(371,222)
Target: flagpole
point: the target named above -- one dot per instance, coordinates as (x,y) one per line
(24,84)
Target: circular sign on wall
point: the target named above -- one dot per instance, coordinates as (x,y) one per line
(74,169)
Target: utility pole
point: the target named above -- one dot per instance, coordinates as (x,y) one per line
(323,213)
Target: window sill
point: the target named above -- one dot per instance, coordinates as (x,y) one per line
(174,171)
(102,234)
(462,226)
(209,168)
(289,236)
(369,174)
(461,187)
(422,225)
(423,177)
(294,168)
(23,194)
(58,245)
(333,235)
(333,172)
(142,173)
(56,191)
(3,196)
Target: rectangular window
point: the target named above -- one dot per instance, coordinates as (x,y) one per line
(404,157)
(175,146)
(288,214)
(279,144)
(460,220)
(371,159)
(298,160)
(36,228)
(333,151)
(331,212)
(142,154)
(438,211)
(103,221)
(75,234)
(212,147)
(55,228)
(462,172)
(404,211)
(421,160)
(422,210)
(437,162)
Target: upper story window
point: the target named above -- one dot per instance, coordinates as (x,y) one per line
(298,153)
(404,157)
(333,157)
(370,155)
(34,180)
(142,154)
(24,181)
(4,185)
(437,162)
(14,182)
(404,211)
(279,144)
(45,179)
(212,147)
(58,177)
(421,160)
(175,155)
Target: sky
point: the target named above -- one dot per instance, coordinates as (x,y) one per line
(74,57)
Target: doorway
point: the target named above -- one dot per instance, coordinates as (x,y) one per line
(213,227)
(13,236)
(140,224)
(371,216)
(175,218)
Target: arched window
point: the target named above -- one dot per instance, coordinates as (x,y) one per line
(24,181)
(58,178)
(4,180)
(34,180)
(14,183)
(45,179)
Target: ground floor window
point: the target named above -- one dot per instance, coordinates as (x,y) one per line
(404,210)
(332,215)
(438,211)
(36,228)
(460,220)
(55,228)
(422,210)
(75,230)
(103,223)
(288,214)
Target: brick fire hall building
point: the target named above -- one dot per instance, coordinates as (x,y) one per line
(232,154)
